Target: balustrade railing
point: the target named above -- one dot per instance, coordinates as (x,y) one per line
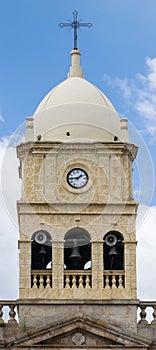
(147,313)
(114,279)
(146,309)
(77,279)
(8,312)
(41,279)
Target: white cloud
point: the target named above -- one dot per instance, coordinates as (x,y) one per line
(1,118)
(140,93)
(146,254)
(150,79)
(123,84)
(9,189)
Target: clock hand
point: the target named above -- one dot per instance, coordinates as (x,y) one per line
(75,177)
(79,176)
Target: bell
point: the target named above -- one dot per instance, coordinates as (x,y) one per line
(42,259)
(75,253)
(113,251)
(75,257)
(42,250)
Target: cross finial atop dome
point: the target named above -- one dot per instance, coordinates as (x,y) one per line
(75,24)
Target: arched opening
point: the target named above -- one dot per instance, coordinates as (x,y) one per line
(113,251)
(77,252)
(113,256)
(41,260)
(41,251)
(77,259)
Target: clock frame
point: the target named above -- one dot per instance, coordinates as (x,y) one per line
(77,178)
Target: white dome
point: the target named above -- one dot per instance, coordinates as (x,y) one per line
(74,90)
(76,111)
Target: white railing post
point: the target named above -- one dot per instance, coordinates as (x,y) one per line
(12,314)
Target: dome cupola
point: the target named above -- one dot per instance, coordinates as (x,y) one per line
(76,111)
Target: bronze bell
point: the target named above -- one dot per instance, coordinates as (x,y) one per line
(76,261)
(42,250)
(42,256)
(75,253)
(113,250)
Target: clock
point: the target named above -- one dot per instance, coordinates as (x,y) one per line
(77,178)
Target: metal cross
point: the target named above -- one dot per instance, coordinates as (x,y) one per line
(75,24)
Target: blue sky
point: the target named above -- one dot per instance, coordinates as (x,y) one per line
(118,56)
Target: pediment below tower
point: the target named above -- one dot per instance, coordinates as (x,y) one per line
(78,331)
(79,337)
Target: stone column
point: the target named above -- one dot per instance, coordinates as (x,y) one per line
(97,264)
(130,268)
(25,265)
(58,264)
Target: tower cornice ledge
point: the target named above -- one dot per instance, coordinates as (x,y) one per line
(127,208)
(80,301)
(43,148)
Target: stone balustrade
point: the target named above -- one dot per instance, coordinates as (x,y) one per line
(147,313)
(146,309)
(114,279)
(8,312)
(77,279)
(41,278)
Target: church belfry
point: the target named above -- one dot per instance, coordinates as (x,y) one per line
(77,212)
(77,218)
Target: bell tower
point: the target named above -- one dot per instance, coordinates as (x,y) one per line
(77,219)
(77,212)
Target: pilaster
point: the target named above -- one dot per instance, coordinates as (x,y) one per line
(97,264)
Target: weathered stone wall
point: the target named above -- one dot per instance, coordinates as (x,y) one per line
(120,314)
(45,168)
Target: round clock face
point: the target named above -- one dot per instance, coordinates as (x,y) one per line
(77,178)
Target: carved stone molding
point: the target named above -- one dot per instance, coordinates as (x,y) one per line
(78,338)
